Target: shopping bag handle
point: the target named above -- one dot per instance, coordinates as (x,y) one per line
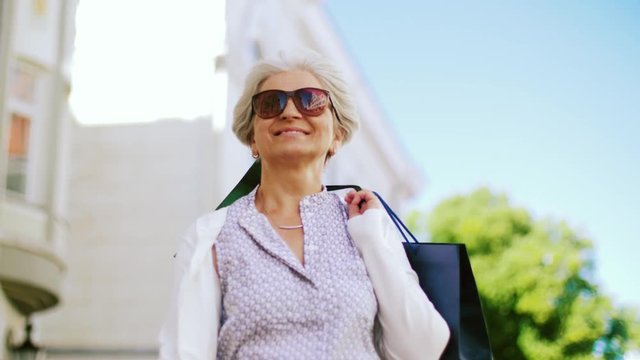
(404,230)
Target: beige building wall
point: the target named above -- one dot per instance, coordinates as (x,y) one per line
(133,189)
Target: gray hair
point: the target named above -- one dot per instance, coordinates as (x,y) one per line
(325,71)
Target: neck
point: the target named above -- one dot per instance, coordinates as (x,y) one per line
(282,187)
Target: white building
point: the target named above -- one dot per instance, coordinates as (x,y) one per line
(35,46)
(133,188)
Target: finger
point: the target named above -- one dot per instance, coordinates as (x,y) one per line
(353,210)
(371,201)
(362,203)
(356,200)
(349,197)
(354,206)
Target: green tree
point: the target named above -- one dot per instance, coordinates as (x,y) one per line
(535,279)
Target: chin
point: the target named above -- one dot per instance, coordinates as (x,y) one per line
(299,155)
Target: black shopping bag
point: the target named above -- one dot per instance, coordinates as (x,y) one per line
(446,277)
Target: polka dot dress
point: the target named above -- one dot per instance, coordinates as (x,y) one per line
(273,307)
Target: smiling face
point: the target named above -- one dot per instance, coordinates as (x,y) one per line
(292,136)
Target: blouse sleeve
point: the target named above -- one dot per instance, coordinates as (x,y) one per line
(411,327)
(195,296)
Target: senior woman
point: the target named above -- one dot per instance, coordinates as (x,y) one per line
(291,271)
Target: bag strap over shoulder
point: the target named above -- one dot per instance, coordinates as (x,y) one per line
(251,179)
(404,230)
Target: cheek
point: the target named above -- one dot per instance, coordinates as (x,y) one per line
(332,130)
(259,130)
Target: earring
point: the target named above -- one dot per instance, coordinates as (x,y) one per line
(333,149)
(255,155)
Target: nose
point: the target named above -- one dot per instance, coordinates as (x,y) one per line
(290,110)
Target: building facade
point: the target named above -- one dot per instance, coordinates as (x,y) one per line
(134,188)
(36,39)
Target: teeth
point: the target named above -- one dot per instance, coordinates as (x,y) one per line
(292,132)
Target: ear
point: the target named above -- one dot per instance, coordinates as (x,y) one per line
(253,146)
(335,145)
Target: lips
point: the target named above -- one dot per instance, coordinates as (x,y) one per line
(291,131)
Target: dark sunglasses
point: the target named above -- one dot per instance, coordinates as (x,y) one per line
(309,101)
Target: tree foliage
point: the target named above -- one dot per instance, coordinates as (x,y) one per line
(535,279)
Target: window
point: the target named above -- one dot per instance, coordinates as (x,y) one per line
(18,149)
(22,104)
(23,85)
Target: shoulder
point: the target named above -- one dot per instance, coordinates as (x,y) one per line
(210,222)
(206,224)
(201,233)
(372,222)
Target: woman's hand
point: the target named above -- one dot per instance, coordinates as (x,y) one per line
(360,201)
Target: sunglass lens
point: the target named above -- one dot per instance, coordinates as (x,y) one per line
(270,103)
(311,101)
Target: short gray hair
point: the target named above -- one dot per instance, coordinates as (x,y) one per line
(325,71)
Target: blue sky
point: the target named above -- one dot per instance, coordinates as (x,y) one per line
(538,100)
